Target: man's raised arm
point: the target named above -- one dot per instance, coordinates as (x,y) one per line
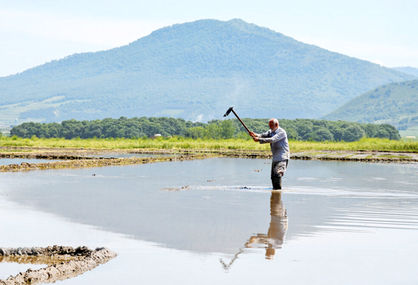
(277,137)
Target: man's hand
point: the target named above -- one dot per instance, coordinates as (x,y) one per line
(254,136)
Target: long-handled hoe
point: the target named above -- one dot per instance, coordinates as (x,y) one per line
(231,109)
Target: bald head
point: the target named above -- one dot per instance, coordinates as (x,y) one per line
(273,124)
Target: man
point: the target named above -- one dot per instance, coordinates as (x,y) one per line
(277,138)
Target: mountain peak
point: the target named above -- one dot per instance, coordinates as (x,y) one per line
(207,26)
(193,70)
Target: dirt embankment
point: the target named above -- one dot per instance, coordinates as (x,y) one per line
(95,162)
(366,156)
(62,262)
(81,158)
(42,156)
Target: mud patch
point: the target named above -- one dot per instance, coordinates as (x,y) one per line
(182,188)
(62,262)
(99,162)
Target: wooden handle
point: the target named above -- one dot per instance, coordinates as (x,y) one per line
(241,121)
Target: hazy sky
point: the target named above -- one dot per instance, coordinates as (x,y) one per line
(33,32)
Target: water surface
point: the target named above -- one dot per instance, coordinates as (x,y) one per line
(129,155)
(217,221)
(7,161)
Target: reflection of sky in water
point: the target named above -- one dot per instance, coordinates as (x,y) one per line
(7,161)
(7,269)
(334,220)
(127,155)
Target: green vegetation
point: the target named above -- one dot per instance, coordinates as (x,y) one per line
(106,128)
(322,130)
(395,104)
(299,129)
(366,144)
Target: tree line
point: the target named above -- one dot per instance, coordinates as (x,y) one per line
(298,129)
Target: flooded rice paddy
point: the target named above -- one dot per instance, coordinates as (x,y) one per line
(216,221)
(128,155)
(7,161)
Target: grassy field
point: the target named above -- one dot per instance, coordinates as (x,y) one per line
(226,144)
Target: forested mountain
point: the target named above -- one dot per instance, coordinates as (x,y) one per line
(193,71)
(395,104)
(408,70)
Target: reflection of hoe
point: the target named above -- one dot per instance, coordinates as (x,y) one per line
(227,266)
(259,238)
(253,239)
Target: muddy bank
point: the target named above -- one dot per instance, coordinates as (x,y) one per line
(95,162)
(81,152)
(360,156)
(365,156)
(63,262)
(42,156)
(76,154)
(81,158)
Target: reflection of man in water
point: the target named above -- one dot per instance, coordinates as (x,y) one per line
(276,233)
(277,138)
(277,230)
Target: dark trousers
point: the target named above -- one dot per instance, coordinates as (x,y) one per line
(278,169)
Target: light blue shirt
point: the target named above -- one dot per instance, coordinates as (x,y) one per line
(278,143)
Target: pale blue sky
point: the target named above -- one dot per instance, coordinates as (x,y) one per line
(34,32)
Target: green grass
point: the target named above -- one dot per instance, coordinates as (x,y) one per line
(366,144)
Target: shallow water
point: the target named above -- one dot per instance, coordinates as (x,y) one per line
(335,222)
(129,155)
(7,161)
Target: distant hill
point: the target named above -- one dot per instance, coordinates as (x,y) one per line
(408,70)
(395,104)
(192,71)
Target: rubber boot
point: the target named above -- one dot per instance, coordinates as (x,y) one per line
(277,183)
